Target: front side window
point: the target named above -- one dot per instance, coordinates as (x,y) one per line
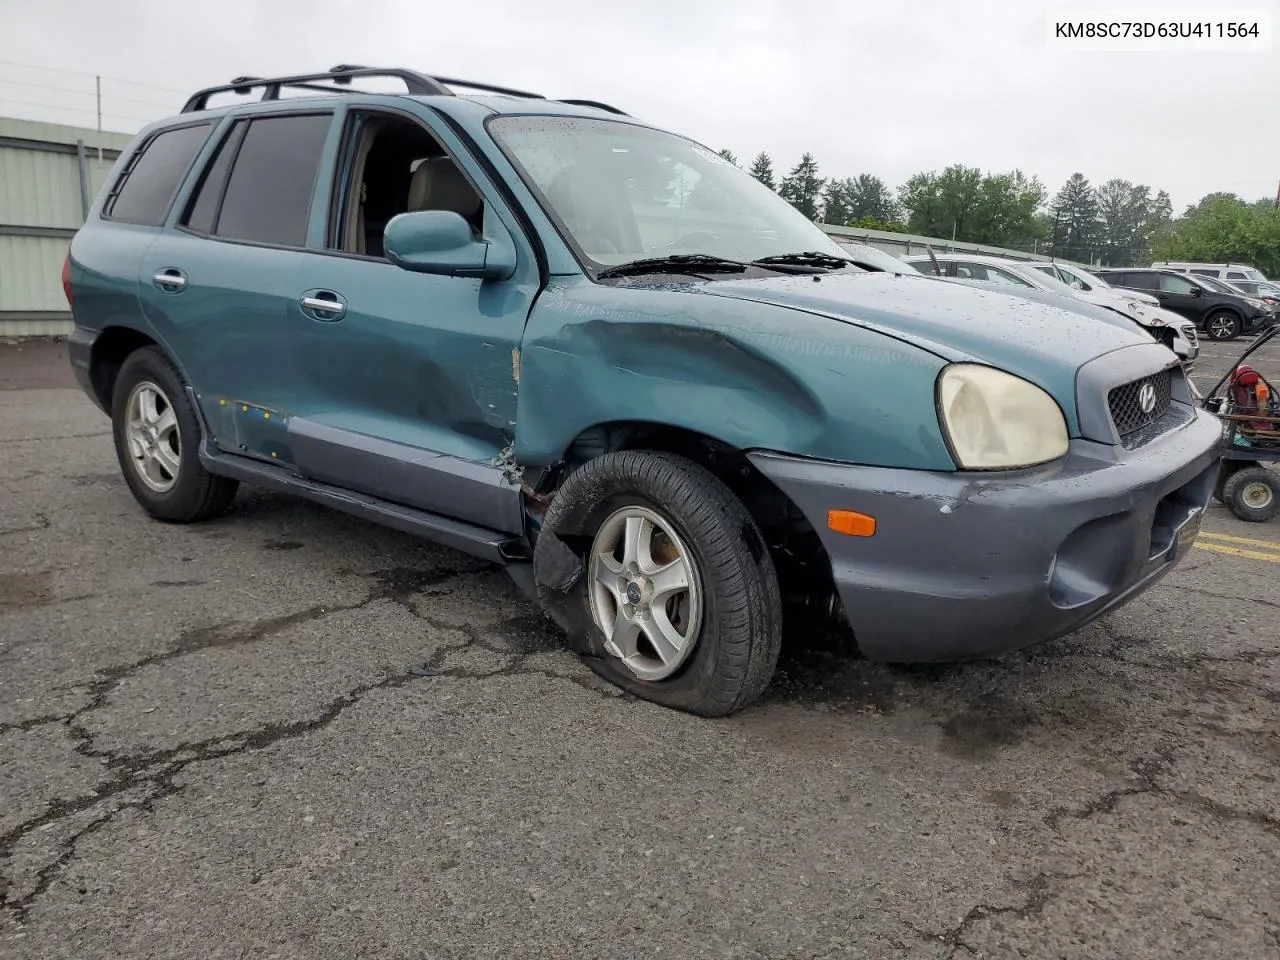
(1173,284)
(621,192)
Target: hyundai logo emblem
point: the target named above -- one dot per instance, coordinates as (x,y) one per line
(1147,398)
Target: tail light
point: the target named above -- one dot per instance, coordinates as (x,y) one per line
(66,279)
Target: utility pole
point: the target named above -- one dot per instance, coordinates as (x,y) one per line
(97,81)
(1278,196)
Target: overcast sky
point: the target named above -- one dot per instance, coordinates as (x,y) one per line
(877,86)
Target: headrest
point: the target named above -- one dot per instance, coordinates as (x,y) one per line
(438,184)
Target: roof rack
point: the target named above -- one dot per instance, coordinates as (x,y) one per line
(416,84)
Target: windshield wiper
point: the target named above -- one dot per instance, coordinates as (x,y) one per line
(676,263)
(812,258)
(706,263)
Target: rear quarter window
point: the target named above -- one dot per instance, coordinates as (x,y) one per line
(147,186)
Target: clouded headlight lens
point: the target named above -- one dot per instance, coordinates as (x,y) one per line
(996,421)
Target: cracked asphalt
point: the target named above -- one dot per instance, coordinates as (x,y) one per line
(291,734)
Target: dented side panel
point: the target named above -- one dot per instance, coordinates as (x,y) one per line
(750,375)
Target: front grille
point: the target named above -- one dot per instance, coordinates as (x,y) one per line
(1126,402)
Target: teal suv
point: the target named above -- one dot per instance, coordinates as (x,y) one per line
(564,340)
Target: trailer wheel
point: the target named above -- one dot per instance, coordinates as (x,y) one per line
(1253,494)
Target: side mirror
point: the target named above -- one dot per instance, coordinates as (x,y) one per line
(441,242)
(1197,292)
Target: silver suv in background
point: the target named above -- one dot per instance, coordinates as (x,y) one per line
(1223,271)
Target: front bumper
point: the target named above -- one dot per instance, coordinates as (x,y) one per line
(970,565)
(1259,322)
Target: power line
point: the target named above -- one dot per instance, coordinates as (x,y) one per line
(82,111)
(80,73)
(81,92)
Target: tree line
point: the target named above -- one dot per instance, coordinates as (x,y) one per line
(1116,223)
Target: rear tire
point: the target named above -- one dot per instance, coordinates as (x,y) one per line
(1222,325)
(728,620)
(157,437)
(1253,494)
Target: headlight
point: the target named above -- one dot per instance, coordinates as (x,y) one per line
(1256,304)
(996,421)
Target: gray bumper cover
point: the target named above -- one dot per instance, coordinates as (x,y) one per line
(969,565)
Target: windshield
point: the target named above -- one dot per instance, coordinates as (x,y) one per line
(865,253)
(621,192)
(1086,276)
(1045,281)
(1213,283)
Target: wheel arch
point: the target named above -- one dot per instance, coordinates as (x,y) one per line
(802,563)
(111,349)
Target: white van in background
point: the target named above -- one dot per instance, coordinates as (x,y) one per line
(1223,271)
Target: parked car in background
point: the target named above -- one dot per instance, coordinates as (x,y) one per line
(1221,316)
(454,313)
(1266,291)
(864,253)
(1167,328)
(1223,271)
(1225,286)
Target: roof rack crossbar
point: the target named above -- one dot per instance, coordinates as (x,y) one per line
(415,83)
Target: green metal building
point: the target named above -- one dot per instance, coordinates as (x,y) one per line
(49,174)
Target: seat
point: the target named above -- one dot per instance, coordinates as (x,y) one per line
(438,184)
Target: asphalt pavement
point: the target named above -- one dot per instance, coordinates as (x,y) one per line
(290,734)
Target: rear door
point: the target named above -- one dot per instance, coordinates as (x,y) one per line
(218,282)
(108,249)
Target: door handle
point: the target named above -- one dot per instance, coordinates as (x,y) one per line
(323,304)
(170,280)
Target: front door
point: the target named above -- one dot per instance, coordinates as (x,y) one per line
(408,380)
(1180,295)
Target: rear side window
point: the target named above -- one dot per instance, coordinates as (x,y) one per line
(1143,281)
(148,184)
(268,194)
(1235,275)
(1205,273)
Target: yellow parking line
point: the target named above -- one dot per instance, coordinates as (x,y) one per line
(1237,552)
(1228,538)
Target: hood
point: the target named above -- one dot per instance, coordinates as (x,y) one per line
(1126,294)
(1041,337)
(1117,299)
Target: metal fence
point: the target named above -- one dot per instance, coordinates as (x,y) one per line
(49,174)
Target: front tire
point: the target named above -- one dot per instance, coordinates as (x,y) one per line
(662,581)
(1222,325)
(157,438)
(1253,494)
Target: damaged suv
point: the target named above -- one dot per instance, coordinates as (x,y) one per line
(597,353)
